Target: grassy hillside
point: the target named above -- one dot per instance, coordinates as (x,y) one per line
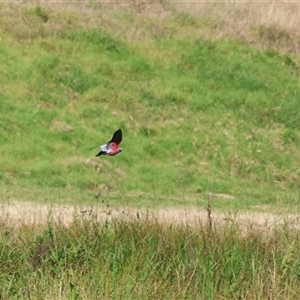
(200,115)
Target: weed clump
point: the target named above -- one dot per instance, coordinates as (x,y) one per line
(41,13)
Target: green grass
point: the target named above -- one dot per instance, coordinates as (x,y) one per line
(198,115)
(209,108)
(139,257)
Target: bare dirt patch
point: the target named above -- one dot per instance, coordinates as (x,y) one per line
(27,212)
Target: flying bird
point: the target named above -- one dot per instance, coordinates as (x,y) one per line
(112,147)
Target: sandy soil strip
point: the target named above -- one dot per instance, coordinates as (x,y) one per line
(27,212)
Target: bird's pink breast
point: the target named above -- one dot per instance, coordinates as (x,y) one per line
(114,152)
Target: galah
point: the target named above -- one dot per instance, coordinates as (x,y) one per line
(112,147)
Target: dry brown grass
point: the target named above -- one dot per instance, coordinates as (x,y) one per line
(263,24)
(273,24)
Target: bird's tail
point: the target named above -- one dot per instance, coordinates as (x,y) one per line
(93,148)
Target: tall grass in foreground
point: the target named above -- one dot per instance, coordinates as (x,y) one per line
(144,258)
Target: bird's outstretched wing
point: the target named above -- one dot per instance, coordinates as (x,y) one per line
(101,153)
(117,137)
(115,140)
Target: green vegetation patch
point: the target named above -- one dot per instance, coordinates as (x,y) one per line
(199,116)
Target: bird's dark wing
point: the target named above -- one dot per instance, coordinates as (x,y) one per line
(101,153)
(117,138)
